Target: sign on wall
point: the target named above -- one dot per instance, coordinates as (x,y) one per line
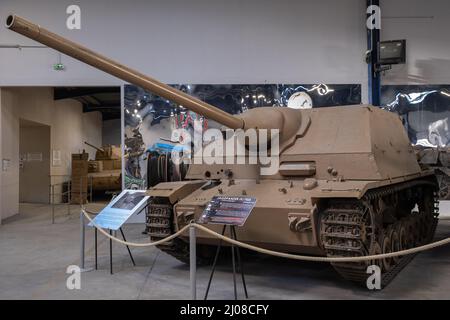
(56,158)
(35,156)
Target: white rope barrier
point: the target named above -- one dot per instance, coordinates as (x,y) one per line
(271,252)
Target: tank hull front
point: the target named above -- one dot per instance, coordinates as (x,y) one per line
(285,216)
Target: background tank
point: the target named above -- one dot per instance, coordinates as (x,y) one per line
(437,159)
(105,172)
(348,183)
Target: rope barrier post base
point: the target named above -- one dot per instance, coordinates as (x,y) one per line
(193,261)
(53,203)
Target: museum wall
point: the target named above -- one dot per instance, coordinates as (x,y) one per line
(424,25)
(420,89)
(220,41)
(70,127)
(1,156)
(10,154)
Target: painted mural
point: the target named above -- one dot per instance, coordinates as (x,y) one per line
(425,110)
(150,120)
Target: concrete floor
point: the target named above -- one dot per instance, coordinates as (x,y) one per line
(35,254)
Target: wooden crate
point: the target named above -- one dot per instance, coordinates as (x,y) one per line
(79,168)
(80,156)
(79,181)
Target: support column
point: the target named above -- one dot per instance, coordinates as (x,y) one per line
(373,40)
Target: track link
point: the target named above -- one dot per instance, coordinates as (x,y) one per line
(351,228)
(160,224)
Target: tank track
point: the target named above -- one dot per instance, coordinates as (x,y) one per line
(351,228)
(160,225)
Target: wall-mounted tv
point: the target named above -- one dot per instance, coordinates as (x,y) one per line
(392,52)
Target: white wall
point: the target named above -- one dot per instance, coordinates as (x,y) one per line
(1,157)
(425,25)
(70,127)
(197,41)
(231,41)
(10,150)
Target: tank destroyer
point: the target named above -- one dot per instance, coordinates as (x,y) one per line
(348,182)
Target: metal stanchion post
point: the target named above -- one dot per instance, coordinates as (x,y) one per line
(81,190)
(68,203)
(68,197)
(82,239)
(69,188)
(193,261)
(53,203)
(90,193)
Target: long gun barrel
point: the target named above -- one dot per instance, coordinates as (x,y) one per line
(74,50)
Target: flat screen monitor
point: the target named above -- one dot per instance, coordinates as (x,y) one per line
(393,52)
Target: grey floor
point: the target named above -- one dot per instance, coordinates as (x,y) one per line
(34,255)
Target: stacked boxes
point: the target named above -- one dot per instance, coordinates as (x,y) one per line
(79,178)
(95,166)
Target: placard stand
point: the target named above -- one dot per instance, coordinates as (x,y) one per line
(233,261)
(112,218)
(110,250)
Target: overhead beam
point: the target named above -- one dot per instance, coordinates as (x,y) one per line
(66,93)
(102,106)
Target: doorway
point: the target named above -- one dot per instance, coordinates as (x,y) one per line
(34,165)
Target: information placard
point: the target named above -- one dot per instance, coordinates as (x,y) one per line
(119,210)
(228,210)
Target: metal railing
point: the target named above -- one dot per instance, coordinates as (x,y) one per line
(68,193)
